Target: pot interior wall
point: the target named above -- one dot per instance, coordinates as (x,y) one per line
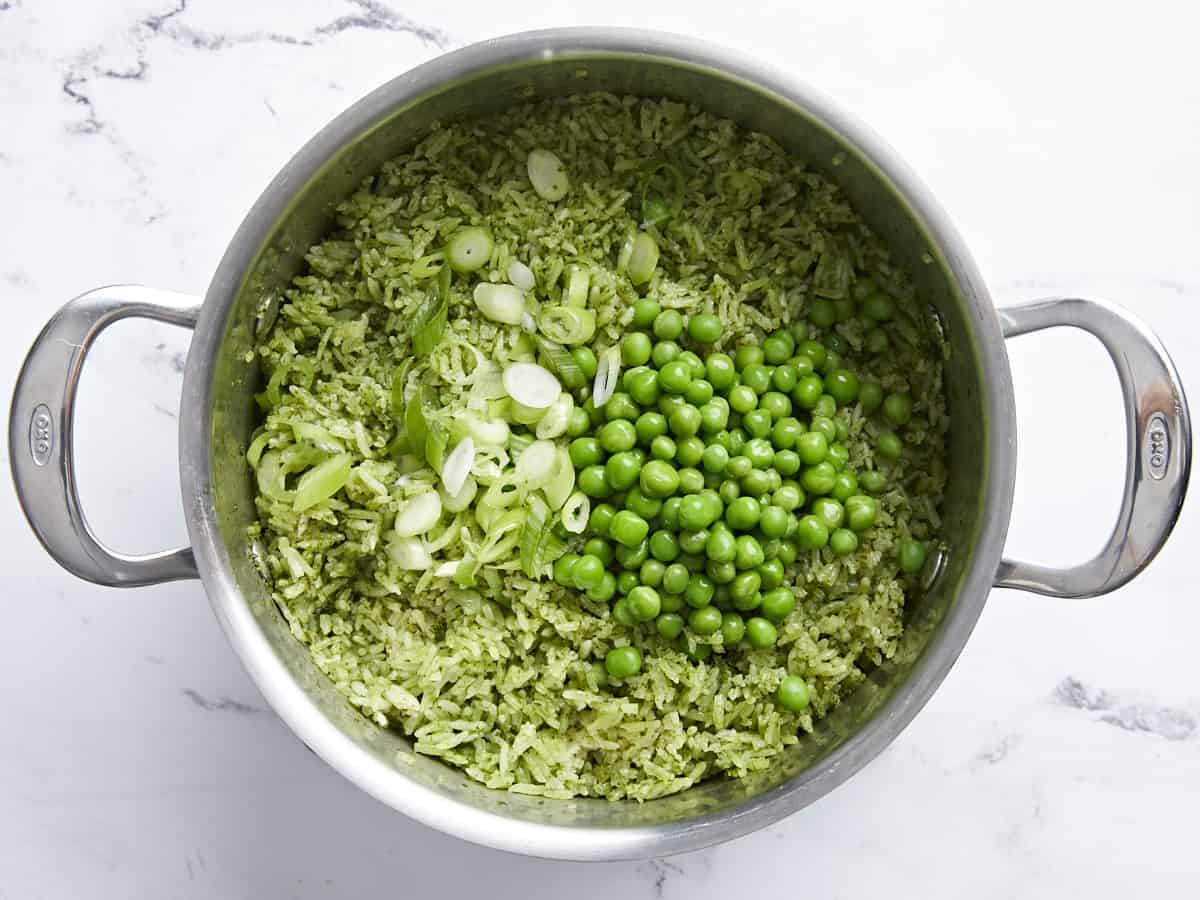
(280,258)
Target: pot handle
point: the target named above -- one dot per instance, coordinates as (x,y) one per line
(1158,448)
(41,436)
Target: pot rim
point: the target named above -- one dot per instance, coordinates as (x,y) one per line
(388,784)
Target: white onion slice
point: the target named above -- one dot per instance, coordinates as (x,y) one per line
(562,482)
(575,512)
(501,302)
(458,465)
(454,503)
(547,174)
(532,386)
(493,432)
(418,515)
(521,275)
(409,553)
(607,372)
(554,422)
(537,464)
(447,569)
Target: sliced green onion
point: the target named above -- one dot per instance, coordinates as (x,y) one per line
(531,385)
(409,553)
(538,546)
(562,482)
(428,266)
(521,275)
(567,324)
(418,515)
(415,425)
(502,493)
(607,372)
(524,415)
(317,436)
(271,474)
(554,422)
(464,575)
(456,503)
(469,249)
(436,442)
(575,512)
(662,188)
(536,464)
(832,276)
(429,321)
(322,481)
(488,381)
(255,451)
(626,251)
(547,174)
(562,364)
(500,302)
(492,432)
(644,258)
(502,536)
(579,281)
(457,467)
(517,444)
(448,569)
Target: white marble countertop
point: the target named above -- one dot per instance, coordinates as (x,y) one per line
(137,759)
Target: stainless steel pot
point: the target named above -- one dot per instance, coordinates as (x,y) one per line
(218,414)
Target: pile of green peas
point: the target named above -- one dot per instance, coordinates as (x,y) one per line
(710,473)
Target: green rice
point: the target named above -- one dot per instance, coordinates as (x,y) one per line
(501,679)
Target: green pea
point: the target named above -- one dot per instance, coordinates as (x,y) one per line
(643,387)
(757,378)
(843,542)
(808,391)
(621,613)
(912,556)
(693,513)
(757,483)
(773,521)
(829,511)
(635,349)
(599,548)
(749,553)
(586,360)
(601,517)
(623,662)
(651,573)
(771,571)
(631,557)
(675,376)
(650,425)
(669,625)
(663,447)
(803,365)
(778,604)
(870,396)
(799,330)
(812,533)
(876,342)
(720,572)
(812,447)
(675,578)
(742,399)
(714,459)
(585,451)
(705,621)
(617,436)
(693,541)
(620,406)
(760,633)
(691,481)
(578,422)
(668,325)
(788,497)
(690,449)
(760,452)
(787,552)
(695,651)
(700,591)
(645,506)
(713,417)
(838,456)
(777,404)
(742,514)
(663,546)
(787,462)
(818,479)
(704,328)
(878,307)
(626,582)
(888,445)
(784,378)
(645,311)
(694,562)
(593,483)
(843,386)
(793,694)
(720,371)
(684,422)
(897,408)
(621,471)
(815,351)
(628,529)
(658,479)
(729,491)
(778,347)
(845,484)
(605,590)
(844,308)
(821,313)
(588,572)
(739,467)
(664,352)
(564,569)
(872,481)
(757,423)
(824,427)
(671,603)
(733,628)
(843,430)
(698,392)
(744,586)
(694,363)
(748,355)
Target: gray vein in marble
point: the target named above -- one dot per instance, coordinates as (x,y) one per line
(169,413)
(223,704)
(1139,717)
(998,751)
(662,870)
(375,16)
